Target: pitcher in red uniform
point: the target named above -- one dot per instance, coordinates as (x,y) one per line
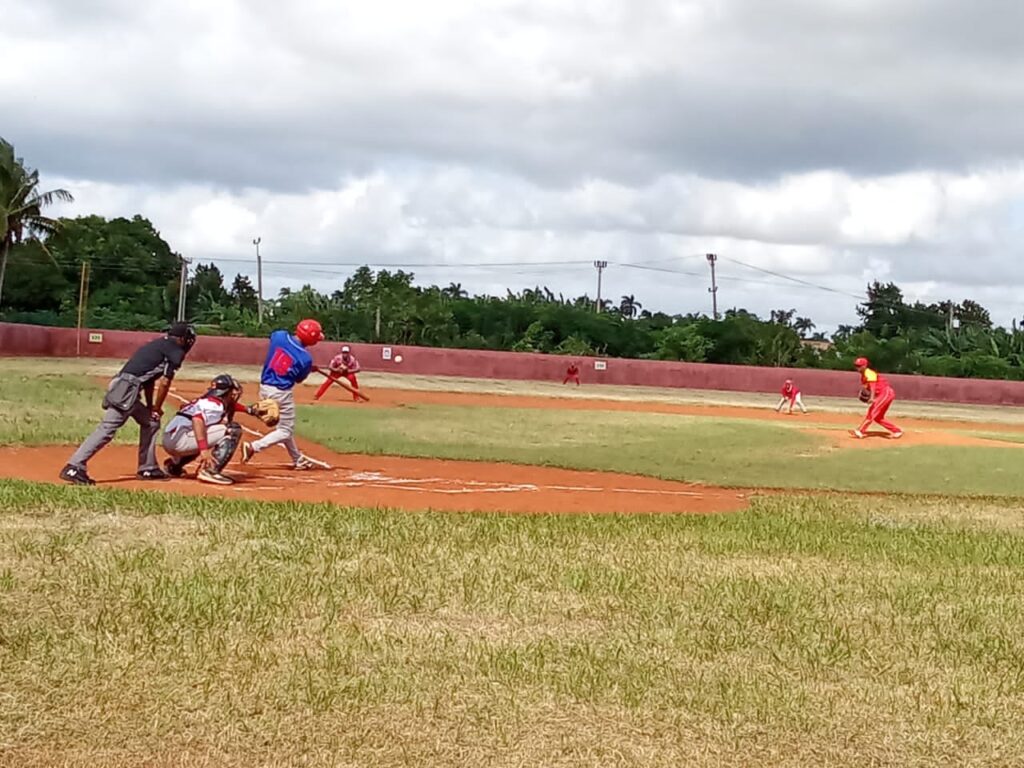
(882,397)
(791,394)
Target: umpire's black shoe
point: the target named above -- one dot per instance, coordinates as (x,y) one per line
(76,476)
(152,474)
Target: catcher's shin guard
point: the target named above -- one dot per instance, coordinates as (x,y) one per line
(225,449)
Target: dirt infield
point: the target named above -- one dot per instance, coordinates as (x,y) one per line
(419,484)
(413,484)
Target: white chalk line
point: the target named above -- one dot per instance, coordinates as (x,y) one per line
(461,486)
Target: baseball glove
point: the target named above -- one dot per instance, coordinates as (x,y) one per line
(267,411)
(865,395)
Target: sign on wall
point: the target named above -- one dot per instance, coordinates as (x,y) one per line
(600,365)
(385,353)
(95,338)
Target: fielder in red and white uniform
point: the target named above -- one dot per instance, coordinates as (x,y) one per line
(791,394)
(882,397)
(572,373)
(343,366)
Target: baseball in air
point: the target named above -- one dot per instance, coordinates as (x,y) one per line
(398,358)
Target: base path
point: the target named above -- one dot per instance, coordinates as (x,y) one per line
(413,484)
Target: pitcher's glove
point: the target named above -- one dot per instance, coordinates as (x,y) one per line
(268,411)
(865,395)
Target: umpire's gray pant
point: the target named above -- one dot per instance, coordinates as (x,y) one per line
(113,420)
(285,431)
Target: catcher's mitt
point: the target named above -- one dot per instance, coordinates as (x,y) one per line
(268,411)
(865,395)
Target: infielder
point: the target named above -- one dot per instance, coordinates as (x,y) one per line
(205,429)
(136,392)
(879,396)
(342,366)
(791,394)
(288,363)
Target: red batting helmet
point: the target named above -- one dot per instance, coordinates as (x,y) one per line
(309,333)
(861,362)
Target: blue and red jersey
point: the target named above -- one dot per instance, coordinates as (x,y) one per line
(288,363)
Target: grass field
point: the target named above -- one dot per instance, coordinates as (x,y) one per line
(154,630)
(142,631)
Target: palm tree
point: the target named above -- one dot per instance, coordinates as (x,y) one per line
(803,326)
(629,306)
(454,291)
(22,204)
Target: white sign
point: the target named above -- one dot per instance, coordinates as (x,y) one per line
(385,353)
(600,365)
(95,338)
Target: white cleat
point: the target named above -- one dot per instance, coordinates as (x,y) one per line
(857,434)
(213,478)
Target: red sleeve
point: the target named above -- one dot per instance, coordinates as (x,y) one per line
(239,408)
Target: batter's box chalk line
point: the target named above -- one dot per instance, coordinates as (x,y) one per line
(447,485)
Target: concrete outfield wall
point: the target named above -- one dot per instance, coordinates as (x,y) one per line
(62,342)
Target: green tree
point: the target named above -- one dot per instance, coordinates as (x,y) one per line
(21,205)
(629,307)
(683,342)
(243,294)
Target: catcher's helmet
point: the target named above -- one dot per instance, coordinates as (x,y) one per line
(225,386)
(309,332)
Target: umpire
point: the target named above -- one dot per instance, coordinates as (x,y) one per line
(137,392)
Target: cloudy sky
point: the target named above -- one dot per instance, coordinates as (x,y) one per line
(513,142)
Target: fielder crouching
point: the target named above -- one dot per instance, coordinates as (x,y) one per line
(204,429)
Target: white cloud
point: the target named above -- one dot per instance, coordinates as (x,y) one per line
(834,141)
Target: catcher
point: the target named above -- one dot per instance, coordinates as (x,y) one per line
(205,429)
(343,366)
(878,394)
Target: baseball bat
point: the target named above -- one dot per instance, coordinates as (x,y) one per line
(344,385)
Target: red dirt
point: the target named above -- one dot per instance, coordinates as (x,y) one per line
(415,484)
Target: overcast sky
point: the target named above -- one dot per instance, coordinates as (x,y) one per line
(832,141)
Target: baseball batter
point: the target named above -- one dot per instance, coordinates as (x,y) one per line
(343,366)
(791,394)
(136,392)
(288,363)
(205,429)
(879,395)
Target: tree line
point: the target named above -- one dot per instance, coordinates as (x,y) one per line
(134,284)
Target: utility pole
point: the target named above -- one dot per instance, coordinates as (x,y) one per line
(182,289)
(600,266)
(259,280)
(83,298)
(713,290)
